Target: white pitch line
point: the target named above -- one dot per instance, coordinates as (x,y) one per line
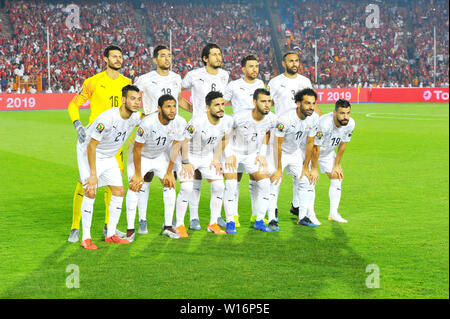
(423,118)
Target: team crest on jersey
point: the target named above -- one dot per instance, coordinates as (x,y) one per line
(100,127)
(140,131)
(190,129)
(280,127)
(319,134)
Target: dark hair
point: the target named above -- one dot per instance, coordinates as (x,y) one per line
(288,53)
(157,49)
(250,57)
(258,92)
(212,96)
(111,47)
(129,87)
(164,98)
(207,49)
(298,97)
(342,103)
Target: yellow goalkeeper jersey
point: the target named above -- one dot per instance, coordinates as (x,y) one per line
(102,92)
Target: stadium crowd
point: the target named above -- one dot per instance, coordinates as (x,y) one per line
(397,53)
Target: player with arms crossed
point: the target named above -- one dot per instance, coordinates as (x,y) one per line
(150,153)
(99,168)
(103,91)
(283,89)
(240,94)
(201,81)
(207,135)
(294,142)
(247,151)
(335,130)
(153,85)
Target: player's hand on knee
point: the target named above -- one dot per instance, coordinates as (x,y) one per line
(337,172)
(262,163)
(217,165)
(230,163)
(90,188)
(276,177)
(81,131)
(136,183)
(169,181)
(187,171)
(313,176)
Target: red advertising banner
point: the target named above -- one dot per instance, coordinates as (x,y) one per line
(54,101)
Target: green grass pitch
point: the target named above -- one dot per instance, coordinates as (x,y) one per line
(395,197)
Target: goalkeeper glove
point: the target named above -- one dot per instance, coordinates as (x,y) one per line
(81,132)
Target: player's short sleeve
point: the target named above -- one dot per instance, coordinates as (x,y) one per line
(229,125)
(139,83)
(187,81)
(180,126)
(228,95)
(189,130)
(282,127)
(349,131)
(102,126)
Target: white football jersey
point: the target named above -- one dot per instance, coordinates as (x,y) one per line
(329,136)
(204,136)
(248,134)
(200,82)
(154,85)
(156,137)
(295,130)
(111,130)
(240,94)
(282,90)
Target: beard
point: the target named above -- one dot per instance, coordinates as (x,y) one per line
(305,112)
(342,123)
(291,71)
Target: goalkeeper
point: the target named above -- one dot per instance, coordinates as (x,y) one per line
(103,91)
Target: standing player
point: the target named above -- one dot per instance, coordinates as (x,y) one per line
(247,151)
(294,142)
(153,85)
(103,91)
(335,130)
(97,164)
(283,88)
(201,81)
(150,153)
(240,94)
(207,135)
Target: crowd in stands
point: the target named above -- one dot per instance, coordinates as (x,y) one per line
(397,53)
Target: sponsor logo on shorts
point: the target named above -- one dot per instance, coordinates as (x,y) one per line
(100,127)
(140,131)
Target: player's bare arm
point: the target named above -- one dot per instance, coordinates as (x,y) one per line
(187,169)
(278,174)
(91,184)
(337,171)
(315,161)
(261,158)
(137,180)
(169,178)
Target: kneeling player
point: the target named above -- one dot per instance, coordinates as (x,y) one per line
(335,130)
(207,135)
(294,141)
(247,151)
(150,154)
(98,166)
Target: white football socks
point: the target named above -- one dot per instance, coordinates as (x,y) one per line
(194,199)
(253,189)
(115,208)
(305,190)
(274,191)
(335,195)
(295,194)
(169,197)
(143,201)
(236,200)
(215,205)
(182,201)
(87,207)
(229,199)
(131,201)
(263,187)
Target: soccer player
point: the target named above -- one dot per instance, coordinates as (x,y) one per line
(294,142)
(247,151)
(240,94)
(99,168)
(207,135)
(150,153)
(103,91)
(153,85)
(201,81)
(283,88)
(335,130)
